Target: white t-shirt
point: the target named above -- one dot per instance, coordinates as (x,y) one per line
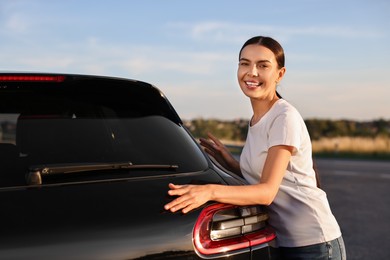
(300,212)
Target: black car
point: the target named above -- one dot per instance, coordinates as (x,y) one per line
(85,163)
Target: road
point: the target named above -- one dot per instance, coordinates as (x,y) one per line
(358,192)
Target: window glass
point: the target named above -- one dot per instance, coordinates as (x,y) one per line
(64,125)
(8,128)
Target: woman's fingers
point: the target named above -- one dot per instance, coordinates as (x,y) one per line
(212,146)
(215,139)
(190,197)
(210,152)
(180,202)
(183,203)
(177,204)
(206,143)
(177,190)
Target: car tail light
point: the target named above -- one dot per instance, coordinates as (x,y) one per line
(41,78)
(223,229)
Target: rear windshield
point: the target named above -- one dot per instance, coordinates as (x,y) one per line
(45,124)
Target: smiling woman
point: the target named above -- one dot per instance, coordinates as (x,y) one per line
(259,71)
(276,161)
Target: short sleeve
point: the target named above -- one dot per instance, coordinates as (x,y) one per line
(286,130)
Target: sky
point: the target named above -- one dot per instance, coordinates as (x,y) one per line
(337,51)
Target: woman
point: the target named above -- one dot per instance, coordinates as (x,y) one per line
(276,161)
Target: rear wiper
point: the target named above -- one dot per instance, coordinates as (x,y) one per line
(36,173)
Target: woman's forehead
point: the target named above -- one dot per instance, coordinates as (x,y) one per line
(257,52)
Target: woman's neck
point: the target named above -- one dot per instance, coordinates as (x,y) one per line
(261,107)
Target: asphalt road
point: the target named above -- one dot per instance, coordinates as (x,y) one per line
(359,195)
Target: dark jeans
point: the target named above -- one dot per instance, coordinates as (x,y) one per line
(334,250)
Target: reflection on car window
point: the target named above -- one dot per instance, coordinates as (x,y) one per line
(8,128)
(47,127)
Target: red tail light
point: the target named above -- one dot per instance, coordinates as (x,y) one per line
(222,229)
(41,78)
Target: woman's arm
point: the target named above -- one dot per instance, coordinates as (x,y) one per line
(193,196)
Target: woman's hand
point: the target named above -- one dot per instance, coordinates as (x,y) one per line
(190,197)
(217,150)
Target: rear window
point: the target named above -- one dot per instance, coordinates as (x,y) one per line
(90,121)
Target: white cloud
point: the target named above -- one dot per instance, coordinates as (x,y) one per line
(15,18)
(93,55)
(17,23)
(226,32)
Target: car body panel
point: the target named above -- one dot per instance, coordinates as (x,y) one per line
(98,218)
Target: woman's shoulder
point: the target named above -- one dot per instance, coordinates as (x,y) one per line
(286,112)
(282,106)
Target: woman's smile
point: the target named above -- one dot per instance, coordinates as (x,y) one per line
(253,84)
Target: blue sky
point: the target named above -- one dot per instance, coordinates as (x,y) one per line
(337,52)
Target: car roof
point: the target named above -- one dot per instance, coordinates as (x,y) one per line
(115,88)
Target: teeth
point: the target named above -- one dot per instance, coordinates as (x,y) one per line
(252,84)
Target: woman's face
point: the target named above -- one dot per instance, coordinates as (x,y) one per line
(258,72)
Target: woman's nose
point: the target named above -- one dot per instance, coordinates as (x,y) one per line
(253,71)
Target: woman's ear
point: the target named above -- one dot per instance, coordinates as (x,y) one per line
(280,74)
